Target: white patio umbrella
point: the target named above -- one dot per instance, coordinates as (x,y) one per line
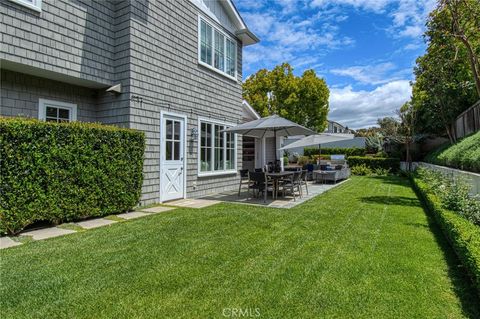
(318,139)
(270,126)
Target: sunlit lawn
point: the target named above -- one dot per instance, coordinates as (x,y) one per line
(365,249)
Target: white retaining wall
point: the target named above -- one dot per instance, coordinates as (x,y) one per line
(473,178)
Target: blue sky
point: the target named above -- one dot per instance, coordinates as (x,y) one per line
(365,49)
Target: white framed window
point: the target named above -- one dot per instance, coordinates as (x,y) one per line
(217,149)
(56,111)
(31,4)
(216,50)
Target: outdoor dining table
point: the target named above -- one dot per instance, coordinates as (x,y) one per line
(276,177)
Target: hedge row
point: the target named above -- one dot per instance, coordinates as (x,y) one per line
(351,151)
(463,235)
(58,172)
(465,154)
(393,164)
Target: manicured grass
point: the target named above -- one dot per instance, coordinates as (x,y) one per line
(364,250)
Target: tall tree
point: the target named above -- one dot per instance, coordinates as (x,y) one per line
(303,99)
(444,84)
(406,130)
(464,26)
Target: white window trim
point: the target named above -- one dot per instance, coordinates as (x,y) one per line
(36,5)
(42,108)
(199,147)
(211,67)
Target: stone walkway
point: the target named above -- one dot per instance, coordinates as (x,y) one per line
(193,203)
(50,232)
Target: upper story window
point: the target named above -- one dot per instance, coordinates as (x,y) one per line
(56,111)
(217,50)
(217,149)
(32,4)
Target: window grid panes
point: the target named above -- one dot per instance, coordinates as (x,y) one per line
(231,58)
(217,148)
(230,151)
(205,42)
(217,50)
(57,114)
(206,147)
(172,140)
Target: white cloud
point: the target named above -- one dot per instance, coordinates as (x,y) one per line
(373,5)
(368,74)
(408,16)
(357,109)
(286,37)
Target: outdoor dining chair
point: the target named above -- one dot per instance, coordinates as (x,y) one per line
(303,182)
(293,184)
(244,179)
(260,183)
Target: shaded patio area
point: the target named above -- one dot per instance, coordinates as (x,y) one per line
(314,189)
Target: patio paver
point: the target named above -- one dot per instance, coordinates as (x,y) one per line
(45,233)
(6,242)
(94,223)
(314,189)
(193,203)
(157,209)
(132,215)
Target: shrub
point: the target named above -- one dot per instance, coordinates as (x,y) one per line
(453,193)
(381,171)
(316,158)
(351,151)
(59,172)
(462,234)
(361,170)
(392,164)
(465,154)
(285,161)
(302,160)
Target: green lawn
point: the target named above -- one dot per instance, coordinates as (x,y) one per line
(365,249)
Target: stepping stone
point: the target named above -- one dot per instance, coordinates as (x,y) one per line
(132,215)
(194,203)
(6,242)
(45,233)
(94,223)
(157,209)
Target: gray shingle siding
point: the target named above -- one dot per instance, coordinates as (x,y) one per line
(20,94)
(150,47)
(69,37)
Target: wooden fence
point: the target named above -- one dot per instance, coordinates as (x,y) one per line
(468,122)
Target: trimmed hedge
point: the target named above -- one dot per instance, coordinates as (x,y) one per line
(391,163)
(463,235)
(351,151)
(58,172)
(465,154)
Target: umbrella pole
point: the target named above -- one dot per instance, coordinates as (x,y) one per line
(275,141)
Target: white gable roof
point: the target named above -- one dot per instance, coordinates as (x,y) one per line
(249,113)
(226,14)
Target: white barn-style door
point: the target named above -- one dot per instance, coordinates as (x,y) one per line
(172,158)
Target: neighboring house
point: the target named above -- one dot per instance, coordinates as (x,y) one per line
(170,68)
(335,127)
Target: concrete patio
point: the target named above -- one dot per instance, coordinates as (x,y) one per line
(314,189)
